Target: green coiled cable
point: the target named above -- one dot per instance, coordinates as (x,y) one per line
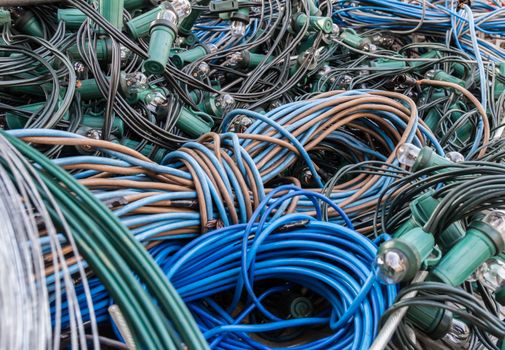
(120,261)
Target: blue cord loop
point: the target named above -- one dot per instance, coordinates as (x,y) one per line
(333,260)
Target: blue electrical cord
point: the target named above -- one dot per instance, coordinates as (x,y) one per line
(438,19)
(333,261)
(248,159)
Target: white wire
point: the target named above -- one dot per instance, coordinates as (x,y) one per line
(25,321)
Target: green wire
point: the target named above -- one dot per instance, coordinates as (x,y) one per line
(117,243)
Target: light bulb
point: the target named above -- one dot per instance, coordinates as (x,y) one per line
(159,99)
(496,219)
(324,71)
(182,8)
(125,53)
(240,124)
(202,70)
(407,154)
(79,67)
(226,101)
(369,47)
(275,104)
(136,81)
(211,48)
(235,58)
(237,29)
(430,74)
(335,31)
(344,81)
(168,15)
(492,272)
(458,335)
(392,265)
(455,157)
(94,134)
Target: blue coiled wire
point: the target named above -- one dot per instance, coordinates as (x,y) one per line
(332,260)
(438,19)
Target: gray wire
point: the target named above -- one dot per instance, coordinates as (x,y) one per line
(24,212)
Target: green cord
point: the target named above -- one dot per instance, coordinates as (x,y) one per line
(116,255)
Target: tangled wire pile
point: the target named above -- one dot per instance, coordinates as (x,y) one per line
(234,174)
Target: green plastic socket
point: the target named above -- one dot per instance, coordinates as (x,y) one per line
(414,246)
(18,121)
(351,38)
(385,64)
(459,69)
(27,23)
(463,132)
(162,38)
(432,118)
(241,14)
(259,33)
(438,94)
(136,4)
(191,55)
(293,68)
(191,124)
(96,122)
(103,50)
(39,90)
(501,68)
(224,6)
(139,92)
(313,9)
(88,89)
(434,322)
(315,23)
(252,60)
(499,87)
(139,26)
(480,243)
(426,55)
(112,11)
(211,105)
(195,96)
(318,86)
(428,158)
(307,43)
(73,18)
(32,90)
(186,26)
(421,209)
(190,40)
(36,89)
(444,76)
